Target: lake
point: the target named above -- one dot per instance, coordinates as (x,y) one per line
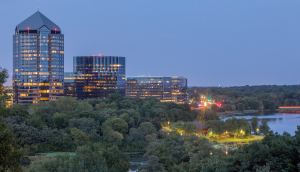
(278,122)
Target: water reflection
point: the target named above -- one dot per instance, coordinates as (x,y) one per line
(278,122)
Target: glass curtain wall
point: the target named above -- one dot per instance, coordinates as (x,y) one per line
(98,76)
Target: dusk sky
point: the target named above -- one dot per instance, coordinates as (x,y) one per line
(231,43)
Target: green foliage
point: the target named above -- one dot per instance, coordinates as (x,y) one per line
(178,153)
(238,127)
(254,125)
(3,93)
(264,127)
(79,136)
(84,124)
(116,160)
(85,160)
(241,107)
(146,128)
(191,153)
(66,104)
(61,120)
(206,114)
(216,127)
(10,155)
(111,136)
(83,105)
(116,124)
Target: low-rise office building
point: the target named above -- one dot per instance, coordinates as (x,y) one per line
(179,89)
(165,89)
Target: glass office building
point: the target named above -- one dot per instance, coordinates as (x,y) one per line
(69,84)
(179,89)
(38,60)
(96,76)
(149,86)
(165,89)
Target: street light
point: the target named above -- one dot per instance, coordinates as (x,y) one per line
(168,123)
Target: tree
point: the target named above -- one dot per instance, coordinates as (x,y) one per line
(3,93)
(237,127)
(78,136)
(291,102)
(83,105)
(117,124)
(61,120)
(85,159)
(126,118)
(18,112)
(84,124)
(66,104)
(115,97)
(264,127)
(255,125)
(216,127)
(10,155)
(157,124)
(116,160)
(189,127)
(112,136)
(146,128)
(241,107)
(151,137)
(135,134)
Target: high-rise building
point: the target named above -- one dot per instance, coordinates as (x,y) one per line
(165,89)
(38,60)
(96,77)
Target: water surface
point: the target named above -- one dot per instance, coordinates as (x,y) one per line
(278,122)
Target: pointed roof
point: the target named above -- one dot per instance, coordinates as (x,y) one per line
(36,21)
(199,125)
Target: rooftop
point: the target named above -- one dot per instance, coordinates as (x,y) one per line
(36,21)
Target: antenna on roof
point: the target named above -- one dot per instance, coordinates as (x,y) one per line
(38,8)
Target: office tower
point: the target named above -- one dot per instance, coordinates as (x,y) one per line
(69,84)
(179,89)
(165,89)
(96,76)
(38,60)
(149,86)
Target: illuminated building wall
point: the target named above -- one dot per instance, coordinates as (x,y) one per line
(179,89)
(69,84)
(98,76)
(149,86)
(166,89)
(10,94)
(38,60)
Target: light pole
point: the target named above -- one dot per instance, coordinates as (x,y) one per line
(226,136)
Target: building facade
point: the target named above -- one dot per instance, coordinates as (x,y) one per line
(149,86)
(96,77)
(38,60)
(69,84)
(179,89)
(165,89)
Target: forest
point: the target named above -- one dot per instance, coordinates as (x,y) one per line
(264,97)
(100,131)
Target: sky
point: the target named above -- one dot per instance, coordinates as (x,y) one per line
(212,43)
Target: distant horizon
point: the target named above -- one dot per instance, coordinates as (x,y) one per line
(210,42)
